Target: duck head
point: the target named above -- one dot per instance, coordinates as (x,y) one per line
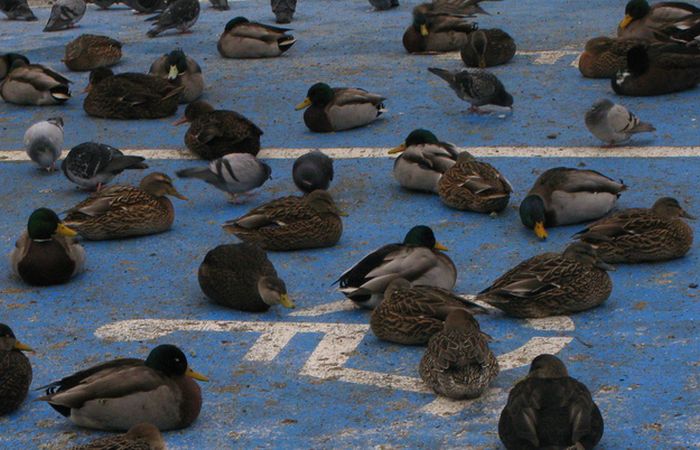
(194,110)
(547,366)
(635,10)
(177,64)
(171,361)
(423,236)
(159,184)
(420,24)
(322,202)
(98,75)
(479,41)
(8,341)
(273,291)
(669,207)
(418,136)
(43,224)
(320,94)
(532,215)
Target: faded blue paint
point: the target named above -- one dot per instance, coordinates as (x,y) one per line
(638,353)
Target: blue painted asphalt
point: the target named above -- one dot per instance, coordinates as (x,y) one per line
(343,43)
(638,352)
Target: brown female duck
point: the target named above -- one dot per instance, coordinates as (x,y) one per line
(487,48)
(15,369)
(90,51)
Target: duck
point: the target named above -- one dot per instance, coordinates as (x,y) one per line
(142,436)
(458,362)
(216,133)
(645,21)
(130,96)
(124,211)
(604,56)
(410,315)
(240,276)
(6,61)
(422,161)
(417,259)
(234,174)
(312,171)
(245,39)
(121,393)
(17,10)
(16,371)
(564,196)
(181,70)
(337,109)
(34,84)
(440,26)
(471,185)
(569,418)
(641,234)
(46,254)
(552,284)
(658,70)
(291,223)
(91,165)
(487,48)
(90,51)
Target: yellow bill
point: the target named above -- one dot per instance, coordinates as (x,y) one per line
(305,104)
(439,246)
(540,231)
(23,347)
(63,230)
(398,149)
(196,375)
(424,30)
(173,73)
(624,23)
(286,301)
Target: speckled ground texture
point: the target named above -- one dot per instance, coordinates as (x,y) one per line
(638,353)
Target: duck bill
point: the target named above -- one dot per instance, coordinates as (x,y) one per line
(173,73)
(540,231)
(176,194)
(63,230)
(687,215)
(286,301)
(624,23)
(482,62)
(424,30)
(305,104)
(605,266)
(398,149)
(439,246)
(23,347)
(196,375)
(180,121)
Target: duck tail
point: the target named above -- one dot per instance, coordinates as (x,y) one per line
(285,43)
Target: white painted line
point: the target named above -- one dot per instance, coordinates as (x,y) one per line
(327,361)
(382,152)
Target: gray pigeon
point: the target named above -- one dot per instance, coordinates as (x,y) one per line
(312,171)
(180,14)
(234,173)
(6,62)
(283,10)
(221,5)
(382,5)
(90,165)
(477,87)
(17,10)
(65,14)
(43,142)
(613,123)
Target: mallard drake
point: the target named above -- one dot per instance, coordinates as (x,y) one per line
(181,70)
(47,254)
(241,277)
(552,284)
(458,362)
(658,70)
(65,14)
(613,123)
(143,436)
(313,170)
(439,26)
(645,21)
(6,61)
(91,165)
(564,196)
(130,96)
(215,133)
(418,259)
(549,409)
(234,174)
(291,223)
(641,235)
(472,185)
(17,10)
(43,142)
(90,51)
(124,211)
(337,109)
(423,160)
(487,48)
(244,39)
(410,315)
(33,84)
(118,394)
(16,371)
(603,57)
(177,14)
